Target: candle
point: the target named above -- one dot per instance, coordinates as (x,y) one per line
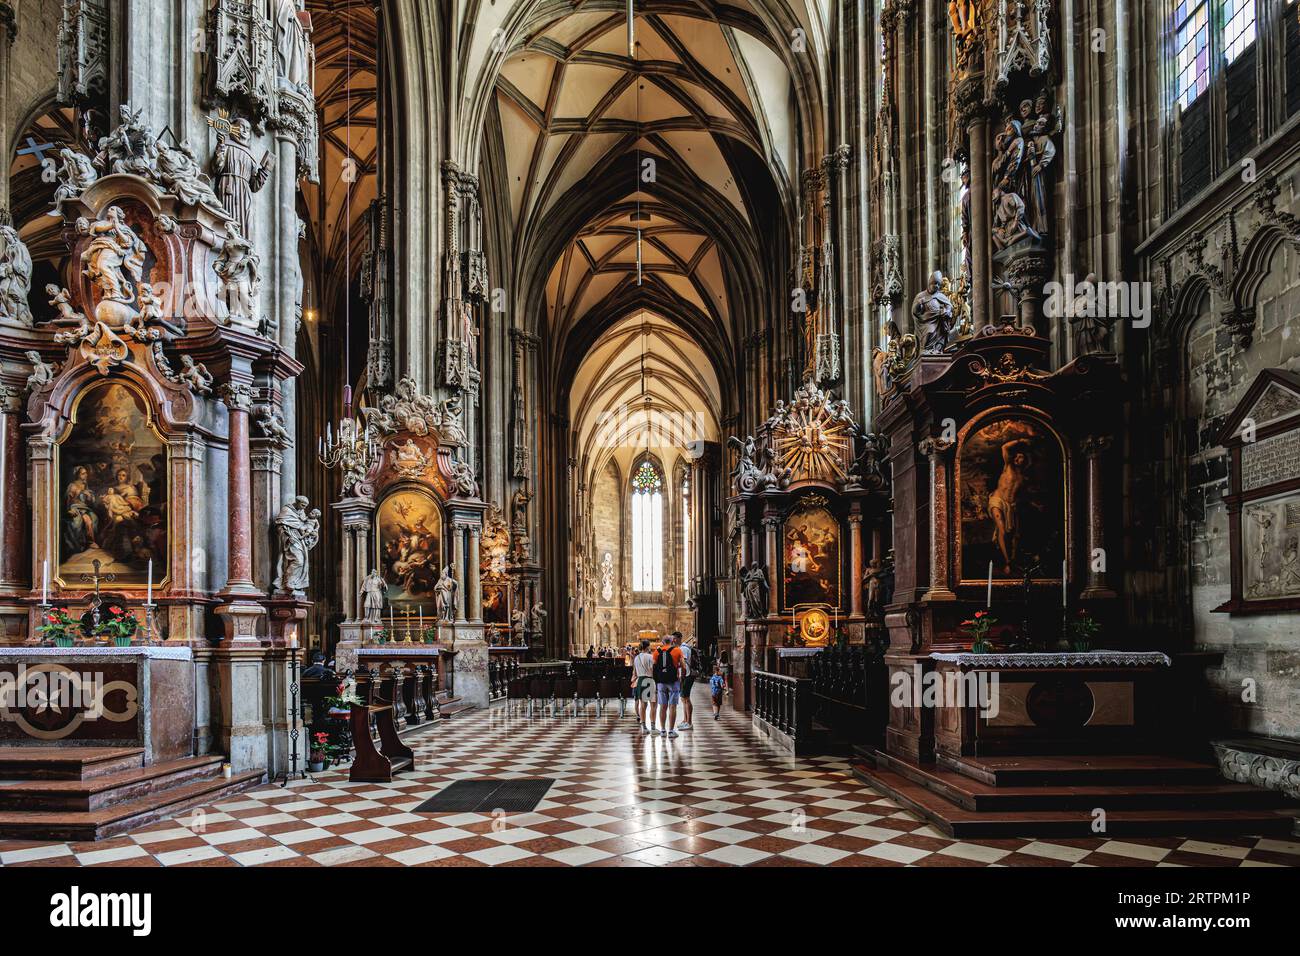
(1065,586)
(149,592)
(988,600)
(45,583)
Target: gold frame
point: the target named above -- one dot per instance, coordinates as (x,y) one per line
(815,501)
(393,491)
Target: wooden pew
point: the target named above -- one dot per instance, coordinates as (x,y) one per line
(378,764)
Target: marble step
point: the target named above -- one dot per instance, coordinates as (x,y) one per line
(973,795)
(452,706)
(122,817)
(1081,769)
(956,821)
(67,763)
(97,792)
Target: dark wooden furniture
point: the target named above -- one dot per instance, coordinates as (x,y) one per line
(381,756)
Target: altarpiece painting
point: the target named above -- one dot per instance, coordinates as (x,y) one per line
(811,555)
(113,485)
(410,545)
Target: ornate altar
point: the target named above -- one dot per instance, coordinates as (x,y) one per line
(802,490)
(1000,503)
(1262,436)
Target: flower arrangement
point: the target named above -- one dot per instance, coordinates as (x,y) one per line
(430,635)
(1083,631)
(119,626)
(383,636)
(345,695)
(60,628)
(977,628)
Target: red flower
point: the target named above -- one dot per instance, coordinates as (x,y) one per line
(980,614)
(322,738)
(52,618)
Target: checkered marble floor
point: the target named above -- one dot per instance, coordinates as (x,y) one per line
(715,796)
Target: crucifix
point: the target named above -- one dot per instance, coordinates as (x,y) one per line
(35,149)
(95,601)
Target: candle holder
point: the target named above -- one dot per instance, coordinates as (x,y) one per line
(150,608)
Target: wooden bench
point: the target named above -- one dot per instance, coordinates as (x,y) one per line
(377,764)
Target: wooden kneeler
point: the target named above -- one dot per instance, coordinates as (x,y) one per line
(377,764)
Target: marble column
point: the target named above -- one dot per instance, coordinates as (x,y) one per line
(266,462)
(458,570)
(981,207)
(855,551)
(474,591)
(8,32)
(1094,448)
(772,526)
(289,290)
(244,618)
(14,576)
(935,449)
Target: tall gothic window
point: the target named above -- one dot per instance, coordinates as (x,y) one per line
(647,528)
(1291,44)
(1192,42)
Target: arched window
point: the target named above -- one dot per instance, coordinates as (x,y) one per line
(647,528)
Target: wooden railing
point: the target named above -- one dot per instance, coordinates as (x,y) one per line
(784,702)
(850,691)
(503,667)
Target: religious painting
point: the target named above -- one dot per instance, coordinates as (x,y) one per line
(1011,494)
(113,488)
(811,555)
(494,604)
(410,546)
(1270,531)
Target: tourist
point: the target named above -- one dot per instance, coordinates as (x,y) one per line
(668,679)
(591,651)
(643,683)
(717,684)
(689,662)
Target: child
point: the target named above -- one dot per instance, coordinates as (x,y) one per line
(717,683)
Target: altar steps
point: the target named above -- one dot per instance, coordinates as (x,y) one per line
(104,798)
(1161,796)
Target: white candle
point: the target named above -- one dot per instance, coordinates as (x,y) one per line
(1065,586)
(45,583)
(149,592)
(988,600)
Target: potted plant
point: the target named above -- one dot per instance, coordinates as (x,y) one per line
(384,636)
(60,628)
(430,635)
(1083,631)
(318,754)
(345,695)
(119,626)
(977,629)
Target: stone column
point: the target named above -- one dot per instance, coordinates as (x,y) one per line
(772,526)
(976,117)
(458,570)
(357,515)
(243,616)
(289,279)
(855,551)
(474,591)
(14,576)
(1094,448)
(45,529)
(935,450)
(266,462)
(8,32)
(187,572)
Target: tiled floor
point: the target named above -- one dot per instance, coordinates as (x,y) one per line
(713,797)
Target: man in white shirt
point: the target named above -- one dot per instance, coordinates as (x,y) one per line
(688,680)
(643,686)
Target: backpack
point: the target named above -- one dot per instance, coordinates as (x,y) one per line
(665,667)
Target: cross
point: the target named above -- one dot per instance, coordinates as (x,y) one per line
(36,149)
(96,577)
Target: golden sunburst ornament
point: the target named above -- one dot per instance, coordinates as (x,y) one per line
(813,443)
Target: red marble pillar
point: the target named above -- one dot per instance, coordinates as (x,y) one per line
(13,492)
(239,571)
(855,551)
(935,449)
(1094,447)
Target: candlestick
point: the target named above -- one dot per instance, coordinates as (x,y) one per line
(45,583)
(1065,586)
(149,592)
(988,600)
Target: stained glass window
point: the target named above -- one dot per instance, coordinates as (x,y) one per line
(647,528)
(1192,49)
(1238,27)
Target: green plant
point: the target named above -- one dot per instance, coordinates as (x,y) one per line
(344,697)
(1083,631)
(383,636)
(119,625)
(431,634)
(60,627)
(977,628)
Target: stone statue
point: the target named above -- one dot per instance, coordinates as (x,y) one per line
(1091,329)
(15,277)
(754,591)
(76,173)
(872,581)
(299,532)
(113,261)
(61,299)
(462,479)
(150,306)
(293,58)
(444,595)
(239,267)
(1009,225)
(42,372)
(1039,124)
(180,174)
(1009,222)
(537,618)
(450,430)
(932,312)
(746,477)
(373,591)
(238,174)
(607,577)
(131,148)
(272,426)
(196,376)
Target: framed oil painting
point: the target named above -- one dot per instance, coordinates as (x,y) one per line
(811,556)
(1011,490)
(410,545)
(113,485)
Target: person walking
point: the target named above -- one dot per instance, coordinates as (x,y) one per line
(668,680)
(643,684)
(689,662)
(717,685)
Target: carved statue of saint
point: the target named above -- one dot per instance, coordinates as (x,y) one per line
(42,372)
(373,591)
(293,57)
(537,618)
(1091,329)
(131,148)
(15,277)
(239,267)
(76,173)
(932,316)
(179,172)
(754,591)
(238,174)
(1039,123)
(299,531)
(444,595)
(113,259)
(451,431)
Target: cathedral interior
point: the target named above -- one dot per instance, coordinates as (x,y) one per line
(376,376)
